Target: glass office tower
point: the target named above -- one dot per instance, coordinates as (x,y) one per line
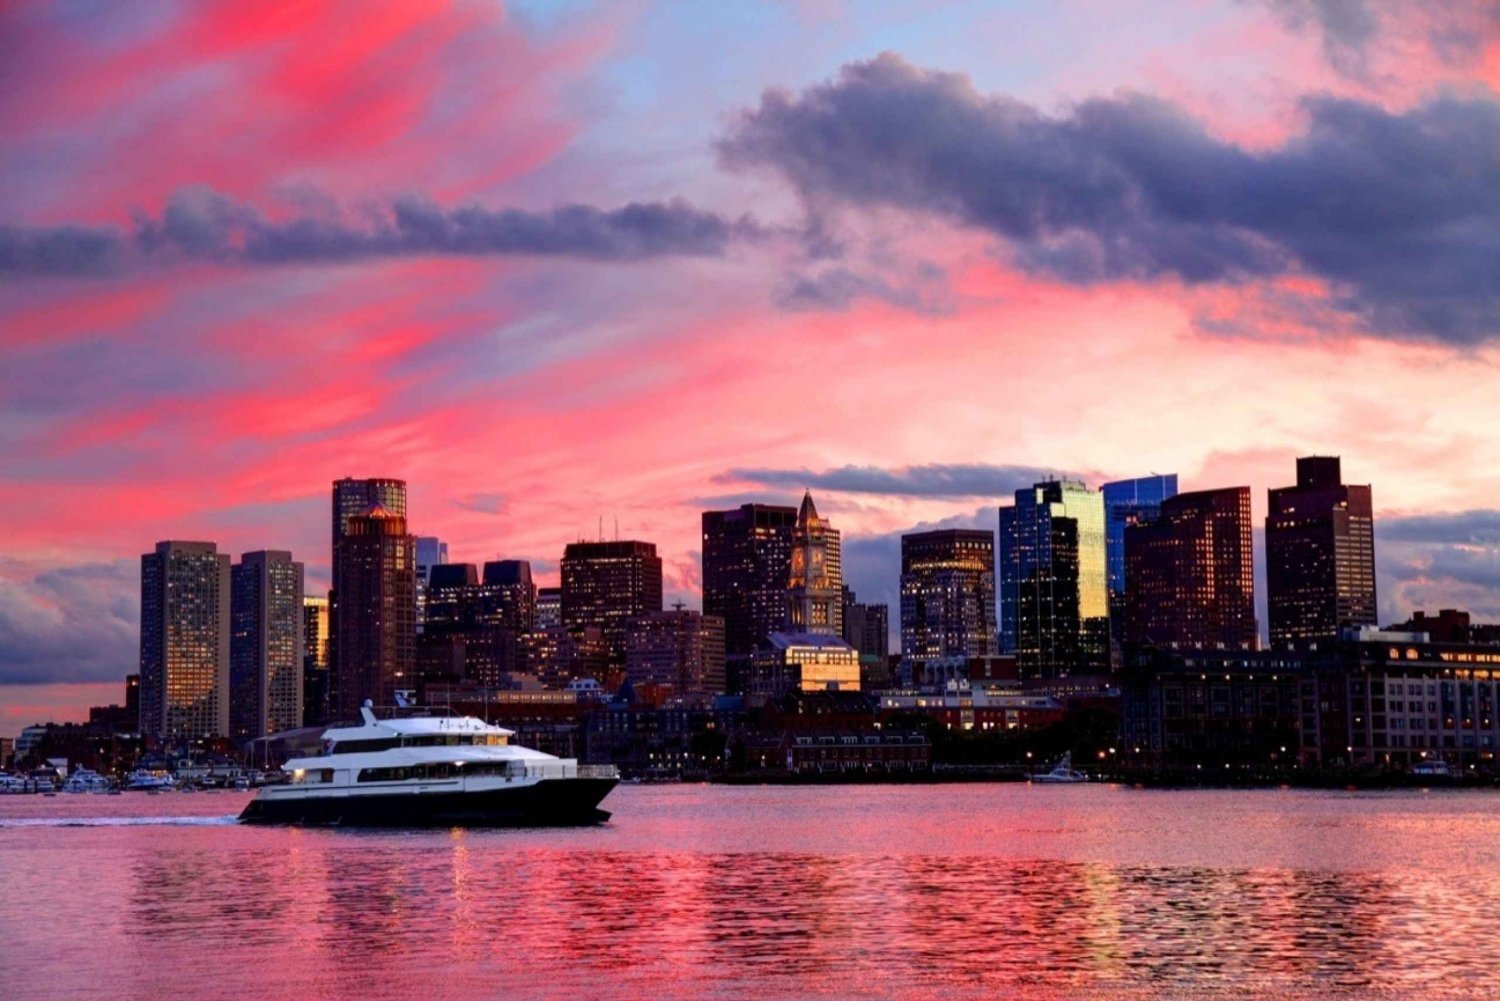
(1054,603)
(1128,502)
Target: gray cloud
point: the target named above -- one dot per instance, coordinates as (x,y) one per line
(1433,561)
(1454,31)
(938,480)
(1399,213)
(1346,26)
(59,250)
(77,623)
(1480,527)
(199,224)
(837,288)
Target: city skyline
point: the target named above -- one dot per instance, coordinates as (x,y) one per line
(680,315)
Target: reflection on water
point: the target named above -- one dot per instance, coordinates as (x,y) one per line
(791,892)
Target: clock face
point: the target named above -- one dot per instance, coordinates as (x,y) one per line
(797,560)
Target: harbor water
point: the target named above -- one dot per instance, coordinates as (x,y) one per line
(978,890)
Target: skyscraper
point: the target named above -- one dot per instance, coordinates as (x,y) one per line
(431,551)
(609,585)
(316,666)
(351,498)
(1054,607)
(185,640)
(947,595)
(266,645)
(747,560)
(1320,555)
(815,583)
(1190,573)
(1127,502)
(374,612)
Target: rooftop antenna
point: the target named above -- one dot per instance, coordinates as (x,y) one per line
(601,528)
(617,528)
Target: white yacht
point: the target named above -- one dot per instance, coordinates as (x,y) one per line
(86,780)
(1062,772)
(431,771)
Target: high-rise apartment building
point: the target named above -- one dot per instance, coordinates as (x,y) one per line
(1054,604)
(185,640)
(816,580)
(548,608)
(679,648)
(747,561)
(947,595)
(867,626)
(1320,555)
(266,645)
(1190,573)
(1128,502)
(316,665)
(609,585)
(374,610)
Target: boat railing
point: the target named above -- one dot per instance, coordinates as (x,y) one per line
(598,772)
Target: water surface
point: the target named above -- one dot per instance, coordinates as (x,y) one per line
(959,891)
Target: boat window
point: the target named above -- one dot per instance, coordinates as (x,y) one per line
(359,746)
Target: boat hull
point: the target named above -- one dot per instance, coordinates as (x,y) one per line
(548,803)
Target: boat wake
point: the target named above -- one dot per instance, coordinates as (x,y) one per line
(117,821)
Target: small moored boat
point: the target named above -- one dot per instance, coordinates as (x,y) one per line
(1062,773)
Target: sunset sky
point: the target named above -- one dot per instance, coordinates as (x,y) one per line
(558,264)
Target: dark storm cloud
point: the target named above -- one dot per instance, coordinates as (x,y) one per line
(78,623)
(1400,213)
(959,480)
(203,225)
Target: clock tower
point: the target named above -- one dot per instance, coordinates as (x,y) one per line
(814,598)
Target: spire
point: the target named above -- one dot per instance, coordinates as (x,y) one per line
(809,513)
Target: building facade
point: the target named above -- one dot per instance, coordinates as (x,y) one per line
(266,645)
(1192,581)
(1386,701)
(1320,555)
(815,581)
(185,631)
(804,662)
(1054,607)
(947,596)
(679,649)
(1128,502)
(1211,715)
(374,613)
(609,585)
